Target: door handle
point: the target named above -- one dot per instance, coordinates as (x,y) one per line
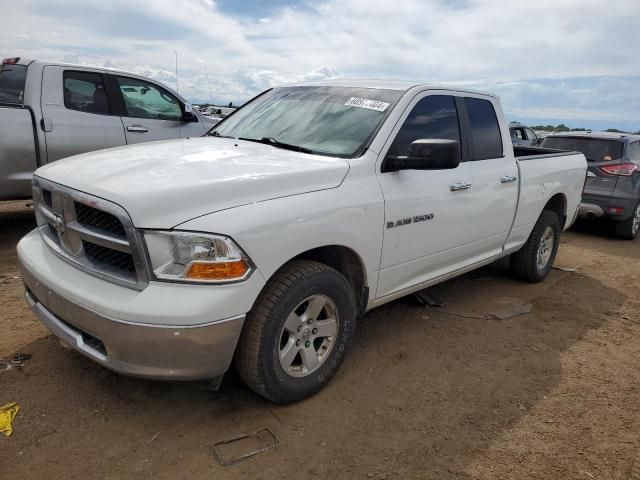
(459,186)
(508,179)
(137,129)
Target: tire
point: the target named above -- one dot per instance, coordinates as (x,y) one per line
(283,323)
(628,229)
(525,264)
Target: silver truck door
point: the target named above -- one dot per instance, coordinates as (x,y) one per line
(153,113)
(77,113)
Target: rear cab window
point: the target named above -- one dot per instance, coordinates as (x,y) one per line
(486,140)
(595,149)
(13,79)
(85,92)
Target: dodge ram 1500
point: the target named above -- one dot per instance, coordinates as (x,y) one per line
(260,244)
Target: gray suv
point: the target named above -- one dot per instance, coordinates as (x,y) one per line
(612,188)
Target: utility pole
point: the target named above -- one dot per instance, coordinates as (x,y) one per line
(177,84)
(209,83)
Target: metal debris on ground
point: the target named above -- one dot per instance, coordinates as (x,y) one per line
(428,300)
(7,414)
(16,362)
(263,436)
(512,311)
(566,269)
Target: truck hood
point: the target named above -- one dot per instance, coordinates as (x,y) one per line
(163,184)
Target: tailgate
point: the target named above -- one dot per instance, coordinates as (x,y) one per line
(598,182)
(17,152)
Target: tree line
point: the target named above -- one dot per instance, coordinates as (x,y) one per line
(563,128)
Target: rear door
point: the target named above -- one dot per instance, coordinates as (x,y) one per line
(77,112)
(495,176)
(152,113)
(600,153)
(426,211)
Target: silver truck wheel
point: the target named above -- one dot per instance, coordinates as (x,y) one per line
(308,335)
(297,333)
(545,249)
(534,260)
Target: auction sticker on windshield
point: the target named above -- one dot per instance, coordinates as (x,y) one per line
(366,103)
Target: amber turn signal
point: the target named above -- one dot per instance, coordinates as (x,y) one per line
(217,270)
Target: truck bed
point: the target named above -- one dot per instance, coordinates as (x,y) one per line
(531,153)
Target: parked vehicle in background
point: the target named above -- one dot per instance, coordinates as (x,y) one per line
(52,110)
(522,135)
(220,112)
(612,189)
(301,211)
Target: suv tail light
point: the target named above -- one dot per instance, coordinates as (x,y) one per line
(10,61)
(624,169)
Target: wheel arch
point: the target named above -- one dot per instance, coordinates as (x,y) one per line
(346,261)
(558,205)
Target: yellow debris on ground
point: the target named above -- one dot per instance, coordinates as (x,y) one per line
(7,414)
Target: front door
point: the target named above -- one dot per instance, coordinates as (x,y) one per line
(151,112)
(427,222)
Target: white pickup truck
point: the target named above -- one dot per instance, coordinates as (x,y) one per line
(261,244)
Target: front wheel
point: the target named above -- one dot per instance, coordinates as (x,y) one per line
(628,229)
(298,332)
(534,260)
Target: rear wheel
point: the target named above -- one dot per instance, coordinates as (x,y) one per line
(534,260)
(628,229)
(297,333)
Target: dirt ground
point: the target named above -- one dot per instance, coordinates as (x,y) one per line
(433,393)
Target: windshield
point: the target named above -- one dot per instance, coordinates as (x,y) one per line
(337,121)
(12,81)
(596,150)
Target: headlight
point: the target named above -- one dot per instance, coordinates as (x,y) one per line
(196,257)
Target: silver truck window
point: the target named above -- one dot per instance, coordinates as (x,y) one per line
(12,82)
(146,100)
(531,135)
(486,141)
(335,121)
(434,116)
(84,91)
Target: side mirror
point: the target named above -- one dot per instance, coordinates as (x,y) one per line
(188,115)
(426,154)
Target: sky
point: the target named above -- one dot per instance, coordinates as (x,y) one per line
(551,61)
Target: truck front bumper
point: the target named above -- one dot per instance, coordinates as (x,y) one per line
(106,322)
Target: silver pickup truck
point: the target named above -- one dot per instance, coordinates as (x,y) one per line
(49,111)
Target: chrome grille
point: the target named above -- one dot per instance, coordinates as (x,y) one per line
(94,234)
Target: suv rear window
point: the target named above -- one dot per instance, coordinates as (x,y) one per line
(12,82)
(595,149)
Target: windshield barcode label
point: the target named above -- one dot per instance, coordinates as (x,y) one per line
(365,103)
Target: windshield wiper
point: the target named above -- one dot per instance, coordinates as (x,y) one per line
(275,143)
(216,134)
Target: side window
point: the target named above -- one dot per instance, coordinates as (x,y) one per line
(84,91)
(434,116)
(146,100)
(486,141)
(531,135)
(517,133)
(633,151)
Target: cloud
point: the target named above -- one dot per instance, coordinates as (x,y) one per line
(482,42)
